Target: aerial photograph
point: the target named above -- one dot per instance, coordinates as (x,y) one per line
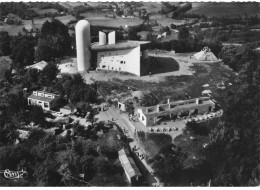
(129,94)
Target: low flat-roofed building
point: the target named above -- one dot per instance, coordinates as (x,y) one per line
(43,99)
(132,172)
(150,115)
(39,66)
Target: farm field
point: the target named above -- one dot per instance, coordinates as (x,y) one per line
(43,11)
(152,7)
(27,24)
(225,9)
(162,20)
(117,22)
(70,5)
(97,18)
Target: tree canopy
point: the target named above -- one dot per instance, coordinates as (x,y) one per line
(234,148)
(54,41)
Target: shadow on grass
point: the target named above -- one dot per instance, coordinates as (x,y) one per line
(157,65)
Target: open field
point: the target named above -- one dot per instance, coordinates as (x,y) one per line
(225,9)
(99,18)
(70,5)
(152,7)
(44,11)
(27,24)
(5,63)
(162,20)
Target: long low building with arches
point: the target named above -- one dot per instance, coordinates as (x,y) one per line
(149,116)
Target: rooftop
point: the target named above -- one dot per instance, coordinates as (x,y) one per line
(120,45)
(41,98)
(128,164)
(40,65)
(178,105)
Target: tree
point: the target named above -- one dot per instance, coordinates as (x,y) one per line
(173,26)
(8,75)
(44,51)
(49,73)
(197,128)
(167,30)
(31,77)
(132,34)
(234,145)
(91,117)
(23,50)
(183,33)
(5,40)
(130,108)
(36,115)
(168,164)
(237,57)
(8,134)
(54,41)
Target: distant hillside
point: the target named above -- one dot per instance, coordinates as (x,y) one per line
(225,9)
(70,5)
(154,7)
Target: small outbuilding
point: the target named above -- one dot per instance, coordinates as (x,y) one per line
(205,55)
(39,66)
(68,109)
(131,170)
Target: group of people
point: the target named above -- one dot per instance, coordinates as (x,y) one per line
(140,155)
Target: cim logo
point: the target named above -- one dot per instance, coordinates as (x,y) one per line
(13,174)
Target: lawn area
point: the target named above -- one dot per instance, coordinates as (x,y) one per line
(225,9)
(5,63)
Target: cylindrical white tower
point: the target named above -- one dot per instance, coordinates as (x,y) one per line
(83,45)
(102,38)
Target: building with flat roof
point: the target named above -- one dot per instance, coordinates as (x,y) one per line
(43,99)
(151,115)
(132,172)
(39,66)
